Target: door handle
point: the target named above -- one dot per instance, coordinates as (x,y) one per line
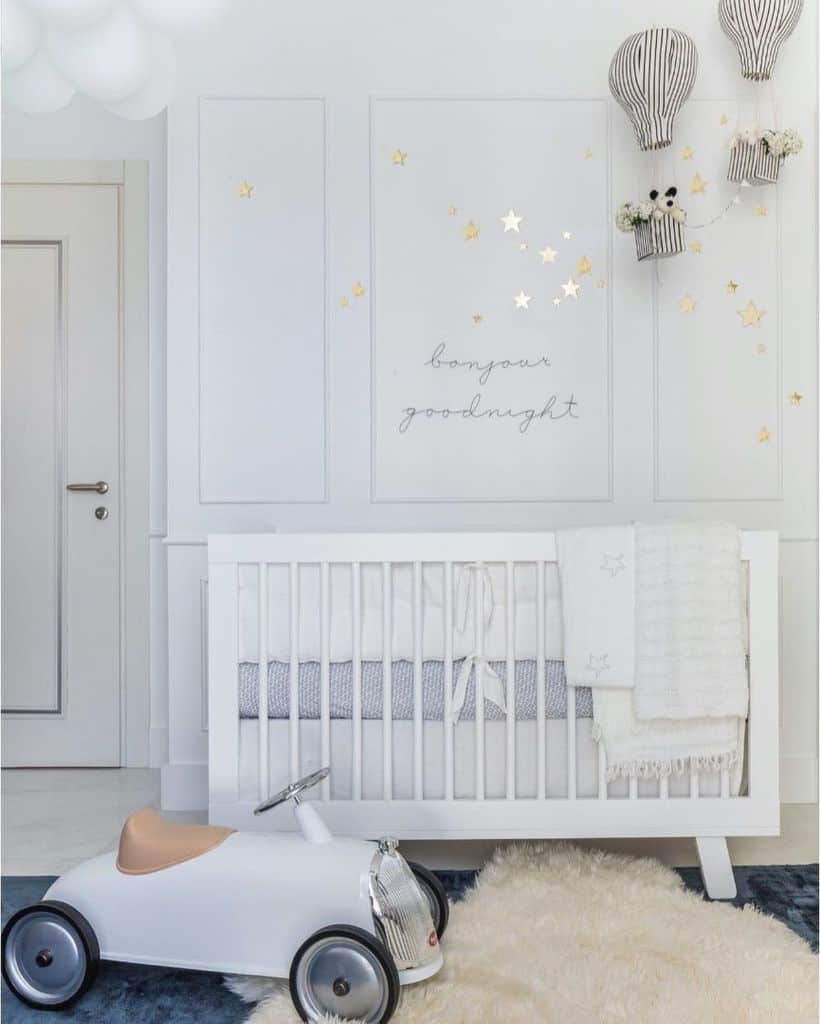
(100,487)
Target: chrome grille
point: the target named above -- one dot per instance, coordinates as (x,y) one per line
(401,912)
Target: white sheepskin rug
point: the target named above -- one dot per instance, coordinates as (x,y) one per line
(554,933)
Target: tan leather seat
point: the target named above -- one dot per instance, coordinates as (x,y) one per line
(148,842)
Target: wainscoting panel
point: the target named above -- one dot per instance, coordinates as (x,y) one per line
(717,324)
(262,300)
(491,341)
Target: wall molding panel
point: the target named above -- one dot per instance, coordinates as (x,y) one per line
(262,301)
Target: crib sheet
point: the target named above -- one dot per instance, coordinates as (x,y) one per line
(341,690)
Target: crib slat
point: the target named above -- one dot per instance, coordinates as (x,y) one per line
(223,683)
(295,764)
(633,787)
(603,791)
(356,588)
(448,680)
(262,681)
(324,691)
(478,677)
(510,592)
(694,785)
(540,703)
(387,680)
(724,784)
(663,787)
(418,711)
(572,723)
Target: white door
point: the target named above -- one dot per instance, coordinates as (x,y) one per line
(60,428)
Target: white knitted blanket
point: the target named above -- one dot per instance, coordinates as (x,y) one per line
(686,629)
(689,650)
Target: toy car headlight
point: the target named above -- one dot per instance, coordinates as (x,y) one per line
(400,910)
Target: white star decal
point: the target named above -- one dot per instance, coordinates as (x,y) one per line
(598,663)
(511,221)
(548,255)
(571,288)
(522,301)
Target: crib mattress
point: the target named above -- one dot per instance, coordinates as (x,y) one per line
(403,690)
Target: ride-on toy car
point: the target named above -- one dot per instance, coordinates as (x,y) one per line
(347,921)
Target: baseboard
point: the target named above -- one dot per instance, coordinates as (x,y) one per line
(798,780)
(184,787)
(158,746)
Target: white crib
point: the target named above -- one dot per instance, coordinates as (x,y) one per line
(426,779)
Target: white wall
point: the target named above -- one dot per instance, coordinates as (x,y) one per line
(84,131)
(250,258)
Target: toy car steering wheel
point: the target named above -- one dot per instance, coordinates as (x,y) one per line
(293,791)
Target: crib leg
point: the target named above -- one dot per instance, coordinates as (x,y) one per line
(716,868)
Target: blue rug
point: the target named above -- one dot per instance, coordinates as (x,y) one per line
(128,994)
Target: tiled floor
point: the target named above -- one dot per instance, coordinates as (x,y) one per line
(53,819)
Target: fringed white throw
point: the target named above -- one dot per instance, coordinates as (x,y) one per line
(684,632)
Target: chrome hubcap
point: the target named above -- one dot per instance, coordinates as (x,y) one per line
(340,976)
(45,958)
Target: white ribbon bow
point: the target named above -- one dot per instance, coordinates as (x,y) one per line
(493,689)
(475,574)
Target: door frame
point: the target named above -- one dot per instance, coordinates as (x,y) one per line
(130,178)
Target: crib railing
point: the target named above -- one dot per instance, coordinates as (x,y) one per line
(463,561)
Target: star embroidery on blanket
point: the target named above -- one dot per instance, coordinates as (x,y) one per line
(598,663)
(613,564)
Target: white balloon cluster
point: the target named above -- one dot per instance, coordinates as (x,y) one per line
(115,51)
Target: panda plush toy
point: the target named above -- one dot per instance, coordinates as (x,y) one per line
(666,205)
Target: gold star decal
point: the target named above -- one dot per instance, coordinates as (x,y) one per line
(600,283)
(724,118)
(696,248)
(761,349)
(358,290)
(750,315)
(556,302)
(795,398)
(398,158)
(571,288)
(566,235)
(587,154)
(697,185)
(452,211)
(687,304)
(244,190)
(344,302)
(764,436)
(731,287)
(522,300)
(511,221)
(471,232)
(523,246)
(584,266)
(477,318)
(761,210)
(687,153)
(547,255)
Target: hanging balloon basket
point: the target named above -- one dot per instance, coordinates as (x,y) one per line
(657,223)
(753,163)
(756,157)
(655,239)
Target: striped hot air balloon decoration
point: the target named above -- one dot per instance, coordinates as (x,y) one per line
(651,76)
(758,28)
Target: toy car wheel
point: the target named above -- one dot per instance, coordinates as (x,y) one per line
(435,895)
(50,955)
(346,972)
